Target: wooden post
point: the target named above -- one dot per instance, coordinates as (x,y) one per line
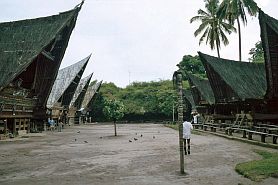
(115,128)
(14,126)
(5,127)
(173,113)
(180,121)
(244,134)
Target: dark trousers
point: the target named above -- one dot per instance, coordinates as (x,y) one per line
(188,146)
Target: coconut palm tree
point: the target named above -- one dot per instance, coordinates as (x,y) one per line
(212,28)
(234,10)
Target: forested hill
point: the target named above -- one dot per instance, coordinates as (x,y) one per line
(143,101)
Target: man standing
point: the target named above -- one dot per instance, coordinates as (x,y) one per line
(60,125)
(187,127)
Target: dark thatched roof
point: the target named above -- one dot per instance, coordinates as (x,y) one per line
(188,95)
(22,41)
(201,90)
(232,80)
(80,92)
(89,96)
(269,37)
(66,83)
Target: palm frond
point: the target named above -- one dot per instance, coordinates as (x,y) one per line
(196,18)
(203,36)
(200,29)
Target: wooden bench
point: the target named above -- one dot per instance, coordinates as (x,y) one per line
(251,132)
(274,138)
(196,126)
(263,136)
(212,127)
(229,131)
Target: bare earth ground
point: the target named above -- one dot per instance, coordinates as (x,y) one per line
(97,157)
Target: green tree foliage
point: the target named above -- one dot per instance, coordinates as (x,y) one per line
(113,110)
(234,10)
(110,90)
(257,53)
(142,100)
(213,28)
(192,64)
(149,100)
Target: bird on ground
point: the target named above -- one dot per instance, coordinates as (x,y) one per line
(141,135)
(75,139)
(100,137)
(78,131)
(135,139)
(153,137)
(130,141)
(85,141)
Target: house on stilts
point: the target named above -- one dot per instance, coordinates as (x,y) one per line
(78,98)
(238,87)
(31,52)
(63,90)
(269,37)
(84,112)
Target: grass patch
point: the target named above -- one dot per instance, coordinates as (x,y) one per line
(260,169)
(176,127)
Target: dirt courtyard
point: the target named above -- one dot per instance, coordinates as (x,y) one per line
(90,154)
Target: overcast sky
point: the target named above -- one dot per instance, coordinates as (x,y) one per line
(134,40)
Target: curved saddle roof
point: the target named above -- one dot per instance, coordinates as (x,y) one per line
(66,77)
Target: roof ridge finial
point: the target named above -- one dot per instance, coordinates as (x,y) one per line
(80,4)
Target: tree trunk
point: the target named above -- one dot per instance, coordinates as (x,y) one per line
(239,39)
(218,53)
(115,127)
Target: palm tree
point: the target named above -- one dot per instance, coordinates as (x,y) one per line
(234,10)
(212,28)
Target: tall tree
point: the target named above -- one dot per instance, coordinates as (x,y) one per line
(234,10)
(212,27)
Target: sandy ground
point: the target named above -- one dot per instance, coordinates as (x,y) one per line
(90,154)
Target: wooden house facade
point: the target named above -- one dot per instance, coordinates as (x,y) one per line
(269,37)
(202,94)
(87,103)
(237,86)
(31,52)
(63,90)
(78,98)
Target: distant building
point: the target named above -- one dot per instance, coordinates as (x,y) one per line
(78,98)
(63,90)
(87,103)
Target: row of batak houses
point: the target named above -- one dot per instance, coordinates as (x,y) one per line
(32,88)
(234,90)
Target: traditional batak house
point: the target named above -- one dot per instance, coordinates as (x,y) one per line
(31,52)
(78,98)
(238,87)
(189,104)
(202,94)
(269,37)
(63,90)
(87,103)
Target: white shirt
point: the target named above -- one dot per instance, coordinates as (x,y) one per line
(195,119)
(187,127)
